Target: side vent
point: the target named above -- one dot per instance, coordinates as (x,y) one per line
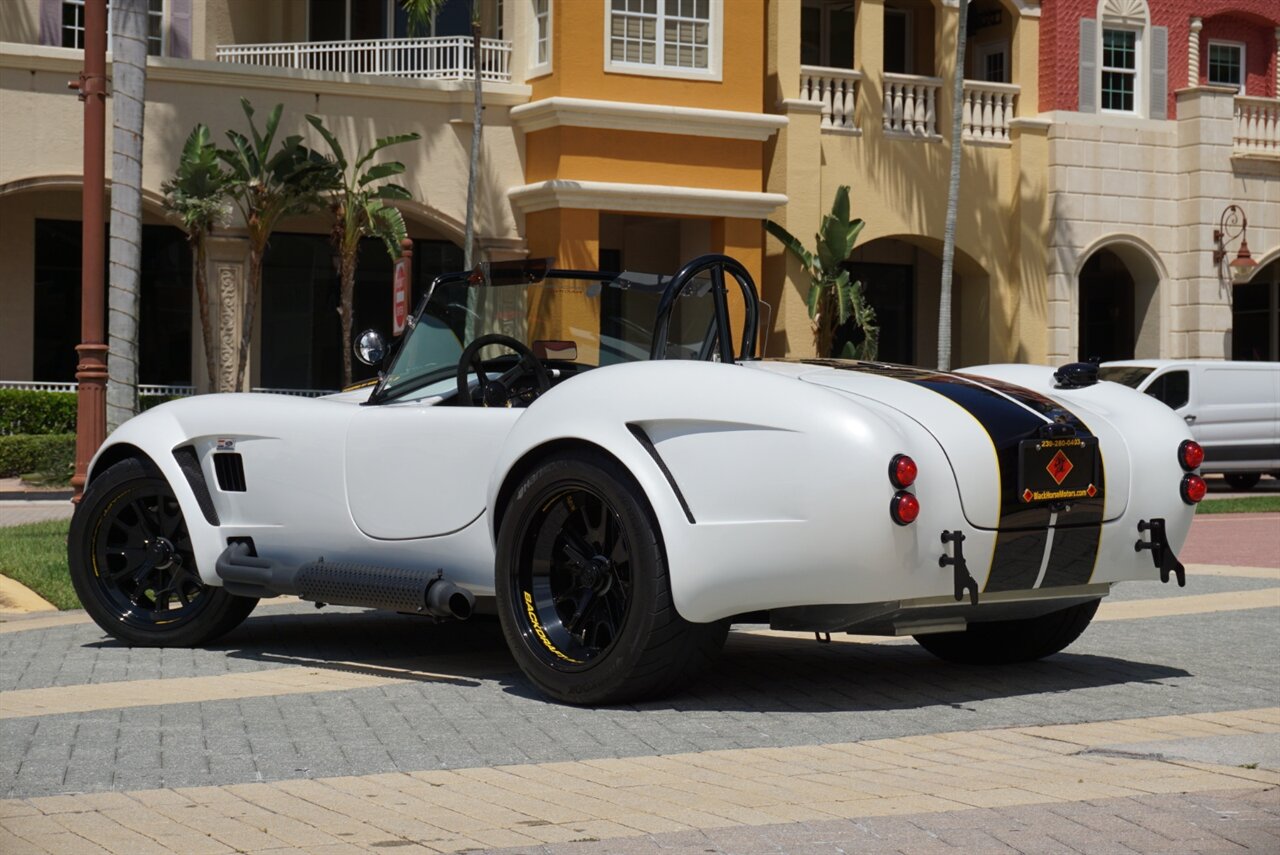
(190,466)
(647,445)
(229,467)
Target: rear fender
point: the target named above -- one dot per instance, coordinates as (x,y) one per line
(786,483)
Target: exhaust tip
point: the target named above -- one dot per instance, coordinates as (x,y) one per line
(446,599)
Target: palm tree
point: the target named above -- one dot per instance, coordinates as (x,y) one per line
(953,196)
(197,195)
(359,211)
(267,188)
(421,12)
(128,89)
(833,300)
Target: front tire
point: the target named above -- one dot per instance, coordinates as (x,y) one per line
(1003,642)
(583,591)
(133,567)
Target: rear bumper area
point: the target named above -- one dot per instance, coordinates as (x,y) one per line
(932,614)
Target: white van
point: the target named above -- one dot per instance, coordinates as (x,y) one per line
(1233,409)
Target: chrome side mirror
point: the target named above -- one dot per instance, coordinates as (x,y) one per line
(370,348)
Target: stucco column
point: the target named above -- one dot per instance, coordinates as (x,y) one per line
(226,273)
(1193,52)
(572,238)
(1031,323)
(868,55)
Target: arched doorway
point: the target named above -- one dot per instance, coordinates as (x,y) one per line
(1118,310)
(1255,315)
(902,277)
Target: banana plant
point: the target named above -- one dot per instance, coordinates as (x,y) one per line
(833,299)
(197,196)
(267,187)
(358,203)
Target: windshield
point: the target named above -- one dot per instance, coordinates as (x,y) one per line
(584,321)
(1129,375)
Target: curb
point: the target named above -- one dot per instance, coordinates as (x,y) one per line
(36,495)
(16,597)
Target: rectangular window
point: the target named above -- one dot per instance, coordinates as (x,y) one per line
(826,33)
(1119,70)
(1226,65)
(73,25)
(671,37)
(541,37)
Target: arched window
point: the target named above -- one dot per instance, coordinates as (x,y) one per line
(1124,61)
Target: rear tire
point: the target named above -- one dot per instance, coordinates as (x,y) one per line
(1003,642)
(583,591)
(1242,480)
(133,567)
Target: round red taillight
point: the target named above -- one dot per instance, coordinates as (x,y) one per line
(902,471)
(1193,489)
(904,508)
(1190,454)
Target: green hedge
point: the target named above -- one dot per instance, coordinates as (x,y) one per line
(24,453)
(34,412)
(28,412)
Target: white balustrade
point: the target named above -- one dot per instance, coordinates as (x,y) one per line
(1257,126)
(836,89)
(911,105)
(988,107)
(438,58)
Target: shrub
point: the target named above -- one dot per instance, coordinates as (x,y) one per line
(29,412)
(33,412)
(23,453)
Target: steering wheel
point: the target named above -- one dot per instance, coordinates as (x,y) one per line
(514,384)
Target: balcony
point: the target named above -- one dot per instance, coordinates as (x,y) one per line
(439,58)
(911,106)
(836,89)
(1257,127)
(988,107)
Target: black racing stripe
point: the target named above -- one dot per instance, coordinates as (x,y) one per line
(1079,532)
(1023,528)
(1017,558)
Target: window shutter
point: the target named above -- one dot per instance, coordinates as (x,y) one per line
(1159,72)
(180,29)
(1088,66)
(51,22)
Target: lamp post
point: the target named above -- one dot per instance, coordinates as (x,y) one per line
(1231,225)
(91,370)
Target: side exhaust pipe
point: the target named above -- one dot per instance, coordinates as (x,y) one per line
(341,583)
(445,599)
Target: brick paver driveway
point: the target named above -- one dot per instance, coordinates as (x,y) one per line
(340,731)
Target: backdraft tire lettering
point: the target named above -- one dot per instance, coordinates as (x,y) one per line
(1003,642)
(583,591)
(132,566)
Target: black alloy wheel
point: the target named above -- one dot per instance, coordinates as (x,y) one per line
(583,590)
(133,566)
(574,578)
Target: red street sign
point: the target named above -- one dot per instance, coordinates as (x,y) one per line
(400,297)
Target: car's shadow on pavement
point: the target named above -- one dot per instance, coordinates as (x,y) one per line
(756,673)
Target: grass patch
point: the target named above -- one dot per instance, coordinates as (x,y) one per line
(1246,505)
(36,555)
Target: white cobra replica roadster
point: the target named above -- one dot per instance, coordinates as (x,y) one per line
(604,462)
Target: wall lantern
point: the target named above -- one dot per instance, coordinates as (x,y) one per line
(1232,224)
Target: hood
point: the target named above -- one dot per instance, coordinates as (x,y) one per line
(981,424)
